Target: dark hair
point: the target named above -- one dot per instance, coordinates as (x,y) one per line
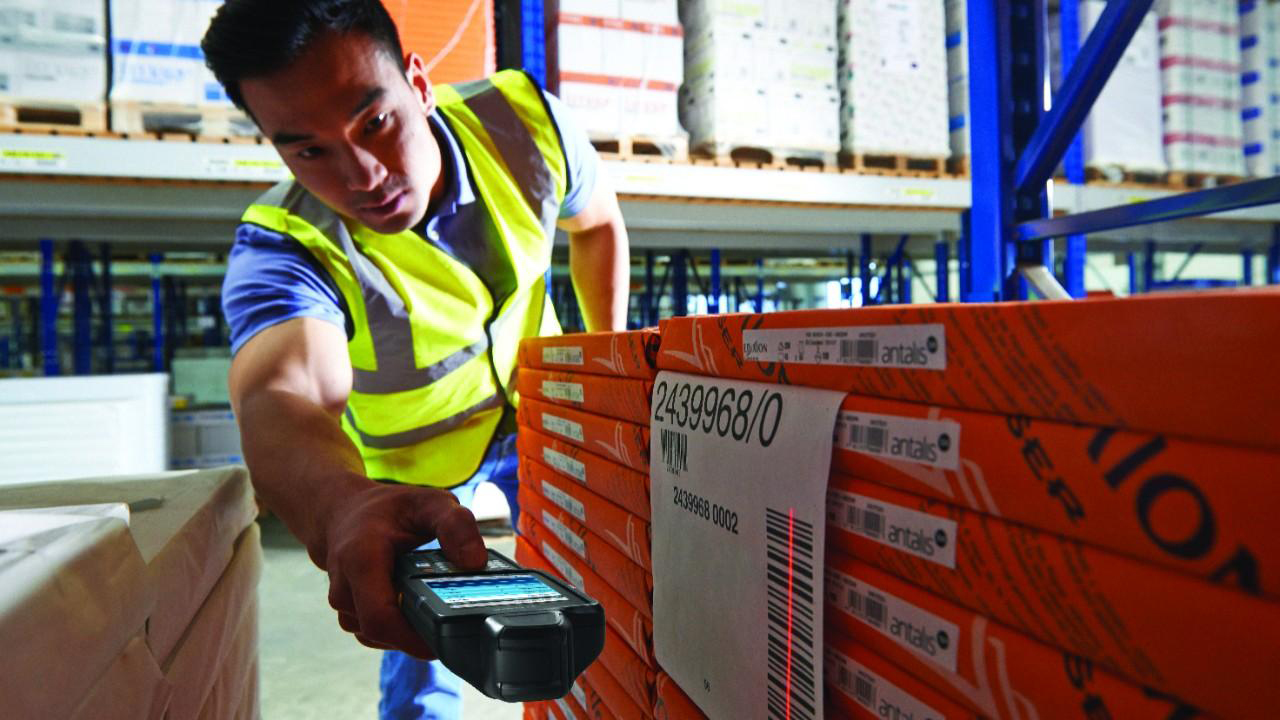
(252,38)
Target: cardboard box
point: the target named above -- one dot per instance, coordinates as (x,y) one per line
(1194,507)
(986,666)
(617,483)
(156,56)
(456,40)
(132,688)
(534,711)
(565,708)
(1109,362)
(604,697)
(626,532)
(631,672)
(539,521)
(672,703)
(1126,616)
(633,626)
(632,353)
(622,442)
(622,399)
(238,674)
(862,684)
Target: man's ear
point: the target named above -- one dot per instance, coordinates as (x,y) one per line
(415,71)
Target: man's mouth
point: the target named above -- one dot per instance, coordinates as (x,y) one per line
(384,205)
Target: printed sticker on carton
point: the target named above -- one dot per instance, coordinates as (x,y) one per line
(579,694)
(566,536)
(935,443)
(568,391)
(879,696)
(562,566)
(565,464)
(562,355)
(562,427)
(926,536)
(562,500)
(917,630)
(891,346)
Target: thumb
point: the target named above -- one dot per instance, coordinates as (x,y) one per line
(459,536)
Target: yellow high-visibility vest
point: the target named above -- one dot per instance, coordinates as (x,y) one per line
(434,330)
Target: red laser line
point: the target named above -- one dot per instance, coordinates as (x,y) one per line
(791,558)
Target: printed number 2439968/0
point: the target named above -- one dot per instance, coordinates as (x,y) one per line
(741,414)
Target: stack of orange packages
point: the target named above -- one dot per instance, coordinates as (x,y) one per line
(584,496)
(1039,509)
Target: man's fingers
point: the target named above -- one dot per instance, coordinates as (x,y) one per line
(349,622)
(372,644)
(460,538)
(377,606)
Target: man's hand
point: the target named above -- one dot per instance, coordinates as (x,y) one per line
(363,539)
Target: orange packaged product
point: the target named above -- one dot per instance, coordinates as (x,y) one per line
(1210,645)
(618,398)
(534,711)
(633,626)
(990,668)
(861,684)
(632,353)
(624,531)
(629,579)
(605,698)
(611,481)
(1190,506)
(622,442)
(636,678)
(565,708)
(673,703)
(1194,364)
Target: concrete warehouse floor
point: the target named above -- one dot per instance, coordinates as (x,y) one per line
(310,668)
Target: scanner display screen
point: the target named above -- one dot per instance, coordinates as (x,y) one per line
(492,590)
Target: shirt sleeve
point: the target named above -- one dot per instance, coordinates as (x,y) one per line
(582,161)
(271,279)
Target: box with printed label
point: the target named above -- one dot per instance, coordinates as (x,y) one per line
(672,702)
(624,399)
(605,696)
(618,483)
(565,708)
(979,663)
(1106,362)
(634,627)
(632,353)
(622,442)
(626,532)
(635,677)
(860,683)
(539,520)
(1190,506)
(156,55)
(1122,614)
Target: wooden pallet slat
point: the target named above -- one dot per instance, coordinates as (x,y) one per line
(53,116)
(730,155)
(182,122)
(644,148)
(895,164)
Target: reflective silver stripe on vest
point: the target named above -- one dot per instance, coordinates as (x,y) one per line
(408,438)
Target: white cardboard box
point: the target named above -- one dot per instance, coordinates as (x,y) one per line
(156,55)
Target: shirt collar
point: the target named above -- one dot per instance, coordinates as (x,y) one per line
(460,192)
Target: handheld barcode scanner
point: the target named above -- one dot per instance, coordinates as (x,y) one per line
(514,634)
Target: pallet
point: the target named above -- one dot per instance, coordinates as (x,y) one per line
(182,121)
(644,148)
(767,158)
(52,116)
(895,165)
(1200,181)
(958,166)
(1121,176)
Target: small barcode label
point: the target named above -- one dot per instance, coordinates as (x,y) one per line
(564,355)
(790,614)
(579,694)
(935,443)
(565,464)
(567,391)
(567,536)
(855,514)
(562,500)
(920,347)
(565,712)
(872,691)
(914,629)
(675,451)
(562,427)
(562,566)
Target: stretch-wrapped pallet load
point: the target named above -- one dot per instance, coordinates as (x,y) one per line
(957,44)
(1123,131)
(1016,520)
(159,81)
(53,63)
(620,66)
(893,79)
(583,440)
(1200,61)
(761,75)
(130,597)
(1260,84)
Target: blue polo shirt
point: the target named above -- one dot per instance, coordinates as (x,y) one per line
(271,278)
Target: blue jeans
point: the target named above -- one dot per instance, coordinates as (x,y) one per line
(414,689)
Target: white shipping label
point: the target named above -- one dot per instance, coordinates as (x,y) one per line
(889,346)
(873,692)
(562,566)
(563,355)
(926,536)
(560,426)
(565,464)
(739,475)
(918,631)
(15,159)
(563,708)
(579,694)
(571,392)
(935,443)
(562,500)
(900,32)
(566,536)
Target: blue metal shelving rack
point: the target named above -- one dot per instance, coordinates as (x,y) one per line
(1009,234)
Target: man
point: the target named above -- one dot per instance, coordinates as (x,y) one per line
(376,301)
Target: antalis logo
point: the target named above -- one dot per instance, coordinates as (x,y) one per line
(919,449)
(916,540)
(919,637)
(909,353)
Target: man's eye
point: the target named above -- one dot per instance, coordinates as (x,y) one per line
(377,122)
(309,153)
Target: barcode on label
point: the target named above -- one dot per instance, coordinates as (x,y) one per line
(860,351)
(565,464)
(567,536)
(580,695)
(561,499)
(562,566)
(567,391)
(868,438)
(568,355)
(867,606)
(866,520)
(790,571)
(864,690)
(675,451)
(562,427)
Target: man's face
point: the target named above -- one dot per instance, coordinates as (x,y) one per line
(352,130)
